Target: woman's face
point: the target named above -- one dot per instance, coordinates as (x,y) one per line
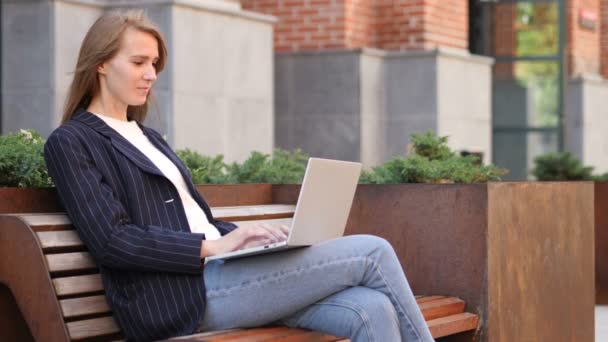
(130,74)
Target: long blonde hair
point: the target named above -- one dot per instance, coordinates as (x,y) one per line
(100,44)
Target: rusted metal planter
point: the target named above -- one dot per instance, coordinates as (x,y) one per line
(519,254)
(601,243)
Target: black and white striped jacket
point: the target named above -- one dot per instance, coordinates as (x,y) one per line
(133,222)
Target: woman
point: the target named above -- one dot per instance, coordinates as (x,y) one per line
(135,207)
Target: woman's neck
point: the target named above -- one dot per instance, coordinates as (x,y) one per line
(102,106)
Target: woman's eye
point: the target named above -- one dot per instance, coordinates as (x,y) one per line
(138,63)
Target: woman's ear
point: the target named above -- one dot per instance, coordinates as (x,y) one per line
(101,68)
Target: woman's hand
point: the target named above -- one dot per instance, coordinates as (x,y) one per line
(248,235)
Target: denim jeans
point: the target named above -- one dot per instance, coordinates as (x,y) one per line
(352,287)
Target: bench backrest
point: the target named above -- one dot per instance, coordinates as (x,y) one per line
(73,276)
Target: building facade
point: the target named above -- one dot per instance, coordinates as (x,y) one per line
(347,79)
(214,96)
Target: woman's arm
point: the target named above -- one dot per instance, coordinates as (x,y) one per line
(102,221)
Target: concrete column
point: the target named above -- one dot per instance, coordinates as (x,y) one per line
(364,104)
(586,121)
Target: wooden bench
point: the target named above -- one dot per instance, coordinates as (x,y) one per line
(58,290)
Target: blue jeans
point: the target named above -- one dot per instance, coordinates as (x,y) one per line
(352,287)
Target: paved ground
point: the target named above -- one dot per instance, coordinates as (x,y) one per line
(601,323)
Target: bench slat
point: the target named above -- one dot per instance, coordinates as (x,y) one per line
(95,327)
(70,262)
(69,241)
(256,335)
(262,334)
(59,240)
(48,219)
(230,334)
(261,211)
(84,306)
(423,299)
(312,336)
(60,221)
(78,285)
(441,308)
(453,324)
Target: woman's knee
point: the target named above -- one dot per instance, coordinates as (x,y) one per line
(372,242)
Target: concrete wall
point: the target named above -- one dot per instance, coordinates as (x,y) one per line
(222,83)
(28,73)
(71,23)
(318,104)
(586,121)
(215,95)
(364,104)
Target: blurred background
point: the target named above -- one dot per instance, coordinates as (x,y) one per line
(345,79)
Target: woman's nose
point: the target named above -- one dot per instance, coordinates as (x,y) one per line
(150,75)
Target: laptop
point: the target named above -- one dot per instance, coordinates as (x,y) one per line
(323,206)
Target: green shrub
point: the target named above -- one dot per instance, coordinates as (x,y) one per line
(204,169)
(22,160)
(280,168)
(431,147)
(283,167)
(432,161)
(563,166)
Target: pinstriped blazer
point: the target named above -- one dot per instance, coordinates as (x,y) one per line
(133,222)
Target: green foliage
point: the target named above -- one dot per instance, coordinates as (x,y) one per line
(601,178)
(432,161)
(22,160)
(281,168)
(431,147)
(204,169)
(560,167)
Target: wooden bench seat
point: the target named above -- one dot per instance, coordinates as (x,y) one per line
(58,288)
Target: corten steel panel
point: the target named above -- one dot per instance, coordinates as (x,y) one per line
(438,232)
(12,324)
(541,262)
(45,200)
(29,200)
(601,243)
(236,194)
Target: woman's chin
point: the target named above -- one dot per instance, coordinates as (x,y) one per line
(138,102)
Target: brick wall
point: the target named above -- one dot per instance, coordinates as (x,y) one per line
(446,23)
(604,38)
(583,45)
(304,24)
(504,37)
(361,23)
(384,24)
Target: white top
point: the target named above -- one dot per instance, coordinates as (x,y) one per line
(196,216)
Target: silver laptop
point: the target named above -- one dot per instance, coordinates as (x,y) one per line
(323,206)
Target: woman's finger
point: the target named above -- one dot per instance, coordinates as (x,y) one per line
(275,234)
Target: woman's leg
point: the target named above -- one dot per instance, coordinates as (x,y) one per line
(259,290)
(360,313)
